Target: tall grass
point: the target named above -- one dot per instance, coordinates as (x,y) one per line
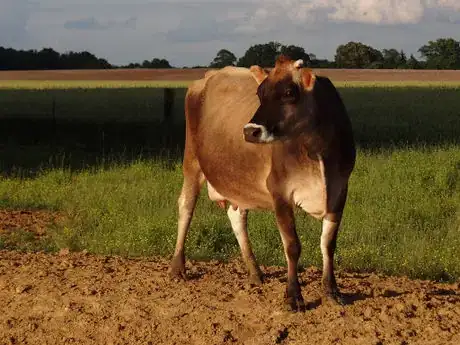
(402,215)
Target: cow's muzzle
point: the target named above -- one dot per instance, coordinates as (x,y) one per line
(257,134)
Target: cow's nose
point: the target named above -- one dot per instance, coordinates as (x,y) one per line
(252,133)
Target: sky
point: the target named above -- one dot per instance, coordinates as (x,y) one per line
(191,32)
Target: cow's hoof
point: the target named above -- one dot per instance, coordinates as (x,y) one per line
(256,278)
(295,304)
(333,298)
(293,298)
(177,268)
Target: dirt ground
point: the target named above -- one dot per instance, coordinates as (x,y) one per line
(78,298)
(192,74)
(34,222)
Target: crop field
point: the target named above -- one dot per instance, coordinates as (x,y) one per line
(90,172)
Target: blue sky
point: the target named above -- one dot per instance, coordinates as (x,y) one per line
(190,32)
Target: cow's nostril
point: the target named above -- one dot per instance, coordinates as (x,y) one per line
(253,133)
(257,132)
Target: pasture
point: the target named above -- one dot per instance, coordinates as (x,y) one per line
(94,167)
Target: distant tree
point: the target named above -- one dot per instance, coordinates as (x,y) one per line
(154,63)
(263,55)
(223,58)
(444,53)
(413,63)
(160,63)
(296,53)
(48,59)
(393,58)
(357,55)
(82,60)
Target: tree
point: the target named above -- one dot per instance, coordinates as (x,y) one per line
(393,59)
(263,55)
(223,58)
(357,55)
(155,63)
(295,53)
(444,53)
(413,63)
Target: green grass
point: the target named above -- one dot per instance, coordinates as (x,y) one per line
(402,215)
(117,84)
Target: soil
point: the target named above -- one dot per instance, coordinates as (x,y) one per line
(192,74)
(34,221)
(78,298)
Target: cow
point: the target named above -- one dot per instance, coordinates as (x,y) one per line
(273,140)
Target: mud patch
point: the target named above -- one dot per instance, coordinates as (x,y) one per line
(79,298)
(27,230)
(36,221)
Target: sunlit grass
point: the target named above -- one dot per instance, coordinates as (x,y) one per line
(97,84)
(402,215)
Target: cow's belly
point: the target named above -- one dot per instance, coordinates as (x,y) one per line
(317,192)
(237,176)
(253,195)
(311,197)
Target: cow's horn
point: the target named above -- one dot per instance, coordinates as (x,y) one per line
(298,64)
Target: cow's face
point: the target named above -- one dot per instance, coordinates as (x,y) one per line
(285,96)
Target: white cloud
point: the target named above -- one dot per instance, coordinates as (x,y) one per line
(389,12)
(451,4)
(378,11)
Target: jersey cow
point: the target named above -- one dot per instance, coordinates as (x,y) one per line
(268,140)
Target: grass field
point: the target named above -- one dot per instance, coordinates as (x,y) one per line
(402,217)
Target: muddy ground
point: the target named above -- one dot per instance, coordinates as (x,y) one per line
(179,74)
(78,298)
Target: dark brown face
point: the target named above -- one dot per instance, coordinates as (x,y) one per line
(281,113)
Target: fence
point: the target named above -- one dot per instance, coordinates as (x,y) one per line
(89,124)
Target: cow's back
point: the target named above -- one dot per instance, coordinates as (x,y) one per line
(217,108)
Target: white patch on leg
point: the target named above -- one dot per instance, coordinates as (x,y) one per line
(265,137)
(328,233)
(236,222)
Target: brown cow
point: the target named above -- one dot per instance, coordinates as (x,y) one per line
(268,140)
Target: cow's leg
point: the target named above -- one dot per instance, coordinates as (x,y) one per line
(193,180)
(330,228)
(238,219)
(292,248)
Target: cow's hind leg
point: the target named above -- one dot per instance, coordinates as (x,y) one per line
(238,219)
(193,180)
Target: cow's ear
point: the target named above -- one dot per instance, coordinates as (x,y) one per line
(308,79)
(258,73)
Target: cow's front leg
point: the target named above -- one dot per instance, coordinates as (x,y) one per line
(331,223)
(286,224)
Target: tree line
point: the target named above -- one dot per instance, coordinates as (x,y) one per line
(443,53)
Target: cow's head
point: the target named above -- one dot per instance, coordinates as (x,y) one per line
(286,107)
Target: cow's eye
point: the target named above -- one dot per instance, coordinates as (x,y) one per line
(289,95)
